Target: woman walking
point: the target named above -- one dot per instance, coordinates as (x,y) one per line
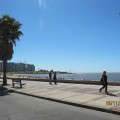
(55,78)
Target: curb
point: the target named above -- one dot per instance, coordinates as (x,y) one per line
(71,103)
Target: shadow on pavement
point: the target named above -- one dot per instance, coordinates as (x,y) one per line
(3,91)
(110,94)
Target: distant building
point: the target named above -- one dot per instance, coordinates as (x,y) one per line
(13,67)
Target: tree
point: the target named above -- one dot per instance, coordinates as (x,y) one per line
(9,33)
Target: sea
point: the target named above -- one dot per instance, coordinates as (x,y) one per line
(112,77)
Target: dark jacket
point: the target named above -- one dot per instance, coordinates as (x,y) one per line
(104,79)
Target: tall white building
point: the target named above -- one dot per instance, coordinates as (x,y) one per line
(12,67)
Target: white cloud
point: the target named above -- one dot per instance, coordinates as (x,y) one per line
(42,4)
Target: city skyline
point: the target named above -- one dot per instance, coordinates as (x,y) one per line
(17,67)
(67,35)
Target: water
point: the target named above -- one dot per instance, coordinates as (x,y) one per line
(114,77)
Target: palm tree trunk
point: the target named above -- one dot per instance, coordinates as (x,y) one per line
(5,63)
(4,72)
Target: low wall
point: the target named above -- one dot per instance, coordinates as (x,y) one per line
(67,81)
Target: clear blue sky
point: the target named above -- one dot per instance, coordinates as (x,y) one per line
(67,35)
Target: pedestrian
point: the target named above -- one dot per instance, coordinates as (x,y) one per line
(50,77)
(55,78)
(104,82)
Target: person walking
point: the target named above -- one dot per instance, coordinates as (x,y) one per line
(50,77)
(55,78)
(104,82)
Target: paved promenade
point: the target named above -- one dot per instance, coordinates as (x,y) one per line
(82,95)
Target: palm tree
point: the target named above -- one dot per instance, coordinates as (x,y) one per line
(9,33)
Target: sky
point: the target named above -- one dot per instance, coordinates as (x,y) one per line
(67,35)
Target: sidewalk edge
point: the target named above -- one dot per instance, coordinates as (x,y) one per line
(71,103)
